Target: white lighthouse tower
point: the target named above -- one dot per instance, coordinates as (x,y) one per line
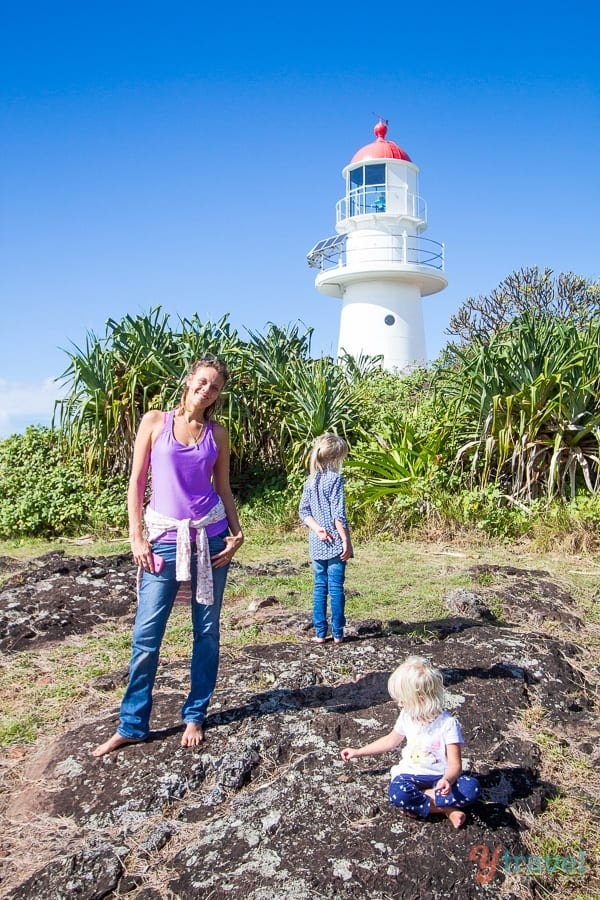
(378,263)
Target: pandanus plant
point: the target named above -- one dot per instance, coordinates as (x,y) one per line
(138,365)
(277,400)
(524,407)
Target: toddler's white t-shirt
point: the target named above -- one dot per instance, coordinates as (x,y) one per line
(425,750)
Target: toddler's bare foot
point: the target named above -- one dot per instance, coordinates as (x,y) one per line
(456,816)
(318,640)
(193,735)
(338,640)
(113,743)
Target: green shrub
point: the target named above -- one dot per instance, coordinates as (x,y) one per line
(274,503)
(491,511)
(46,494)
(389,397)
(575,525)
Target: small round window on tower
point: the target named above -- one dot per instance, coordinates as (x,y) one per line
(389,320)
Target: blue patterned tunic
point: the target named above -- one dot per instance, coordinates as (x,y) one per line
(323,498)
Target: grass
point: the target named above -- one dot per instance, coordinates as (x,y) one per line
(568,825)
(42,690)
(26,548)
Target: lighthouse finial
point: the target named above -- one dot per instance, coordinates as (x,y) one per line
(381,127)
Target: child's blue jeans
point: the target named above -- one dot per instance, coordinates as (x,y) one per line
(406,792)
(156,595)
(329,579)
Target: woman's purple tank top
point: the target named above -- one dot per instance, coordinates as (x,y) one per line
(182,477)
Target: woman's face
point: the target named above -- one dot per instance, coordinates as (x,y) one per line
(204,387)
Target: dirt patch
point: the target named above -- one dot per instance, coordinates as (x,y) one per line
(266,808)
(56,595)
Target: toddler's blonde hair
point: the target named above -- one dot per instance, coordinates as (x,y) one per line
(328,452)
(418,687)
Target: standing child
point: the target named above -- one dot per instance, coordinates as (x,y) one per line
(323,509)
(429,777)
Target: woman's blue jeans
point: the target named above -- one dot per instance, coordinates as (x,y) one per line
(329,579)
(156,596)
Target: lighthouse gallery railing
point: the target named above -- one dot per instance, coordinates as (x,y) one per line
(380,198)
(403,249)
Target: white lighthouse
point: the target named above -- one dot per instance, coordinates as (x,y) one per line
(378,263)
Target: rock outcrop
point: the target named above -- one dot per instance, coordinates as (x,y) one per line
(266,808)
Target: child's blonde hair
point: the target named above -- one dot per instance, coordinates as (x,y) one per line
(328,452)
(418,687)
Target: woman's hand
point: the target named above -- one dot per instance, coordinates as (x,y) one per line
(142,552)
(232,544)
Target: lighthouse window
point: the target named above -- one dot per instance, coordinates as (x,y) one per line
(357,178)
(375,174)
(367,175)
(389,320)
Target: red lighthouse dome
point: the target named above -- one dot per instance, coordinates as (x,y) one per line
(380,148)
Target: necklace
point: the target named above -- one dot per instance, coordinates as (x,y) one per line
(195,437)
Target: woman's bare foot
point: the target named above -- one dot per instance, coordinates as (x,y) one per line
(318,640)
(338,640)
(193,735)
(113,743)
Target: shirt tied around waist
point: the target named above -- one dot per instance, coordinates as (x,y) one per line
(157,523)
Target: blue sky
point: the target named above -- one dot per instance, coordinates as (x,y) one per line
(189,155)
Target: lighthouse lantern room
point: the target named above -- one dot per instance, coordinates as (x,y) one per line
(379,263)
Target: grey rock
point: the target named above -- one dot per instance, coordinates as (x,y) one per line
(268,809)
(465,603)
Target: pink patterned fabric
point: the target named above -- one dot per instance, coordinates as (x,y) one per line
(157,524)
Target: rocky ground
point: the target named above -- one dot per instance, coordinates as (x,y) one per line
(266,808)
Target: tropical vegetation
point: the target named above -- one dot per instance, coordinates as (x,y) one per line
(501,433)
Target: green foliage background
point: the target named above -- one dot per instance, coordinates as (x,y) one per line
(46,493)
(501,434)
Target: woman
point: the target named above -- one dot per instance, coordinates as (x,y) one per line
(189,532)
